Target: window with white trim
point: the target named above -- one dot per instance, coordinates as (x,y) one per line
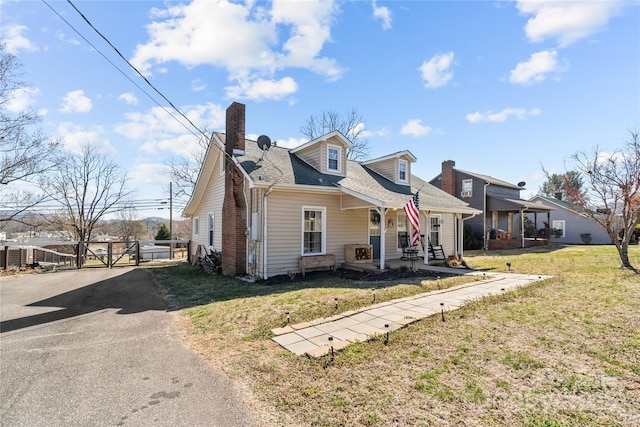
(435,221)
(196,225)
(403,234)
(467,188)
(558,224)
(313,230)
(334,153)
(403,166)
(210,227)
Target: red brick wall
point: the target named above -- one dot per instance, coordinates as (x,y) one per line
(234,212)
(449,177)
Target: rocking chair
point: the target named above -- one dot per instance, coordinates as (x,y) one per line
(435,252)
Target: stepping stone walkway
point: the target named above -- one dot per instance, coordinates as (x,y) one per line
(318,337)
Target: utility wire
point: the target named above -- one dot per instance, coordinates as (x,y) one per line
(122,72)
(134,68)
(199,131)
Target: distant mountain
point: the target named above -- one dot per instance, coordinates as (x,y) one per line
(155,219)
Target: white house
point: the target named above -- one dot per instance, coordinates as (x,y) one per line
(270,210)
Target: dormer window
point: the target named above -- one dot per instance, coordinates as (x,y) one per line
(334,153)
(402,170)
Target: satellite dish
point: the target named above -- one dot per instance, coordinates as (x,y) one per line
(522,184)
(264,142)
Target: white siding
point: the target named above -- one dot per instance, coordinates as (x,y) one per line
(211,203)
(312,155)
(284,229)
(447,233)
(387,168)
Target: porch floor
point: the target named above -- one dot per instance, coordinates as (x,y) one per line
(374,267)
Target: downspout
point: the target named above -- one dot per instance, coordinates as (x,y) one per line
(264,230)
(484,220)
(247,236)
(383,229)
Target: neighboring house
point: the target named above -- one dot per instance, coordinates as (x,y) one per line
(501,224)
(572,222)
(268,208)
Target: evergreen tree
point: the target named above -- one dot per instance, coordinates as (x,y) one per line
(163,233)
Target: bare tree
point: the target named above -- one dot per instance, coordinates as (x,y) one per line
(127,226)
(351,125)
(87,186)
(25,153)
(612,197)
(185,170)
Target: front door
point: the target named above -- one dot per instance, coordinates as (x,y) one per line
(374,232)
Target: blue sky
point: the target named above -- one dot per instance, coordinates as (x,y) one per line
(502,88)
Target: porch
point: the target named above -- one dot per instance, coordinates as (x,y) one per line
(393,264)
(501,244)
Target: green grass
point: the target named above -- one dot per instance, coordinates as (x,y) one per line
(561,352)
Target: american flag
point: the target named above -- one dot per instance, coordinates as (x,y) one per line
(411,209)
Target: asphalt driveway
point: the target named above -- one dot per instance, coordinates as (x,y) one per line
(98,347)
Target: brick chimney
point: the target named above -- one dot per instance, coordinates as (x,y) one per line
(234,212)
(448,177)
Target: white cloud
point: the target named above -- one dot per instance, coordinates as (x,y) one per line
(436,72)
(243,39)
(149,173)
(566,21)
(75,137)
(76,102)
(291,142)
(382,13)
(414,127)
(22,99)
(501,116)
(156,131)
(260,89)
(198,85)
(129,98)
(536,69)
(15,41)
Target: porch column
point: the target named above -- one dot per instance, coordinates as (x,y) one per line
(459,230)
(383,230)
(522,228)
(427,235)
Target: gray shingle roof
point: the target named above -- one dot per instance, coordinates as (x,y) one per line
(491,179)
(278,166)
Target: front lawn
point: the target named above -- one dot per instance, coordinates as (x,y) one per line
(565,351)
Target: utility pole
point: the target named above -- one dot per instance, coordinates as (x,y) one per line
(171,219)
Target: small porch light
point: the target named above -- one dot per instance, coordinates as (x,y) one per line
(331,345)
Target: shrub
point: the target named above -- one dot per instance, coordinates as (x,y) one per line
(470,241)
